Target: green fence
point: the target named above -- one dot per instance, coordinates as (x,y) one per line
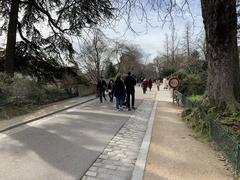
(227,143)
(182,100)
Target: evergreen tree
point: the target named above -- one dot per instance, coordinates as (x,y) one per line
(110,71)
(63,17)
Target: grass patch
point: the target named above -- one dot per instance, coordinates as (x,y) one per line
(10,111)
(196,100)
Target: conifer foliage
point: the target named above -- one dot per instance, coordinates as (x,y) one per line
(62,18)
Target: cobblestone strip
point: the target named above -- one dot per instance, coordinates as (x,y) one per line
(118,158)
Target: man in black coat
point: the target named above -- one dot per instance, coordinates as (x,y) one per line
(130,82)
(101,86)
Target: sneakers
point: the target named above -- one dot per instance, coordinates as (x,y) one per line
(119,109)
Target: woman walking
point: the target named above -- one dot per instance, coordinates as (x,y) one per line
(144,86)
(119,91)
(110,90)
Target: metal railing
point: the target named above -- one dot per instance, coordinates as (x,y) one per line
(182,100)
(226,142)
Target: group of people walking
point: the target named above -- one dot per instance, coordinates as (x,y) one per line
(146,84)
(121,90)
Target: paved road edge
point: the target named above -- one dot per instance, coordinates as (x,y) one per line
(95,161)
(138,172)
(45,115)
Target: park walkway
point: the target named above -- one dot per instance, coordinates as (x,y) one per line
(83,138)
(175,153)
(72,138)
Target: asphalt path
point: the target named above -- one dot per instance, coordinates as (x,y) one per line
(61,146)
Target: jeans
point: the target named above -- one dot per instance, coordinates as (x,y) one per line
(119,101)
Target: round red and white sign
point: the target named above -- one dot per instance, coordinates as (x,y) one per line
(174,82)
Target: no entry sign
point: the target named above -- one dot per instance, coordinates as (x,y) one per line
(174,82)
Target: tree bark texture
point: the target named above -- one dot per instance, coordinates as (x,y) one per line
(11,37)
(220,21)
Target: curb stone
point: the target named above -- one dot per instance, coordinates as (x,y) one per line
(117,160)
(138,172)
(43,116)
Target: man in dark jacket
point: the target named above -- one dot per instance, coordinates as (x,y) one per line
(130,82)
(101,86)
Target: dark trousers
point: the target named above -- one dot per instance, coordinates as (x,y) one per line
(110,94)
(102,94)
(132,93)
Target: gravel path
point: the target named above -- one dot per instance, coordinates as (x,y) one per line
(175,152)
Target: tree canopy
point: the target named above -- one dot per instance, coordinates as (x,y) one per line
(65,18)
(62,18)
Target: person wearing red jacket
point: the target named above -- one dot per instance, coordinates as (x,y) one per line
(150,84)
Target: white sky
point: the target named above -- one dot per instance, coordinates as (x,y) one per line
(150,39)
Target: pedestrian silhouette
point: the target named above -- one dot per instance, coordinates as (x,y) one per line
(130,82)
(150,84)
(101,86)
(144,86)
(119,91)
(110,90)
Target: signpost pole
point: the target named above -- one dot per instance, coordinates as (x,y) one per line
(173,95)
(174,83)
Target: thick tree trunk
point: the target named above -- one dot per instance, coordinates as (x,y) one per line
(11,37)
(220,21)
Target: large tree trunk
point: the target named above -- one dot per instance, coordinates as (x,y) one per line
(11,37)
(220,21)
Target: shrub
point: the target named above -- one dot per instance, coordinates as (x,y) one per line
(25,90)
(181,74)
(55,93)
(5,81)
(70,83)
(191,84)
